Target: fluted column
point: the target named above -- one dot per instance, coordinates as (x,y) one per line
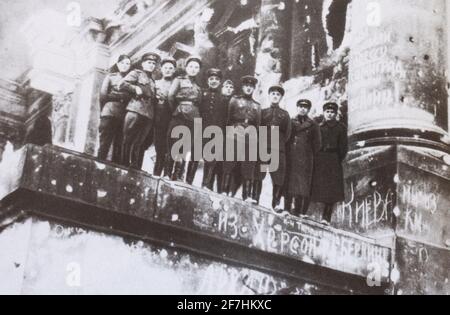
(397,81)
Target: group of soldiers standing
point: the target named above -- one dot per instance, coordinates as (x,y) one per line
(137,111)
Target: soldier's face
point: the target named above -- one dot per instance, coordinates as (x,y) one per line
(124,65)
(167,70)
(192,68)
(303,110)
(214,82)
(228,90)
(248,89)
(149,65)
(275,97)
(330,115)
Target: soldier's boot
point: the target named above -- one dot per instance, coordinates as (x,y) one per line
(140,159)
(210,184)
(305,206)
(298,206)
(226,184)
(178,171)
(219,184)
(159,166)
(276,197)
(235,189)
(192,170)
(288,200)
(207,177)
(247,190)
(256,191)
(126,154)
(236,183)
(168,166)
(327,214)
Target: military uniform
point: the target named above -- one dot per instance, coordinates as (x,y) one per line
(140,115)
(113,109)
(214,111)
(302,148)
(162,121)
(244,112)
(184,98)
(328,179)
(270,118)
(274,117)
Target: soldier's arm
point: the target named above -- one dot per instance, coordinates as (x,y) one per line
(201,105)
(343,143)
(259,116)
(129,83)
(288,127)
(104,90)
(150,91)
(317,138)
(109,95)
(172,94)
(200,97)
(289,139)
(230,109)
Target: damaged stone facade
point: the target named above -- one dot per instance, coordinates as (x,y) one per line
(383,61)
(50,192)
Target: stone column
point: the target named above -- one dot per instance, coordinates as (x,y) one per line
(397,81)
(397,173)
(85,112)
(272,62)
(71,69)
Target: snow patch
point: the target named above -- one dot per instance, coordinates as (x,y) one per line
(101,193)
(69,189)
(100,166)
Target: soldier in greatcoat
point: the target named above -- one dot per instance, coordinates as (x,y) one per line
(328,179)
(302,148)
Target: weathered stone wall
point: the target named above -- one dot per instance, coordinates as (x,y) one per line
(42,257)
(62,185)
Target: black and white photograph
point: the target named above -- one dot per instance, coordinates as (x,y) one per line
(209,149)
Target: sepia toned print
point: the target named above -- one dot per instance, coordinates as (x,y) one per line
(224,147)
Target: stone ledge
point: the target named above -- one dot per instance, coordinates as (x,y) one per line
(69,186)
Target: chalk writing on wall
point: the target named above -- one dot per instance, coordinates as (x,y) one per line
(367,211)
(388,64)
(297,239)
(418,200)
